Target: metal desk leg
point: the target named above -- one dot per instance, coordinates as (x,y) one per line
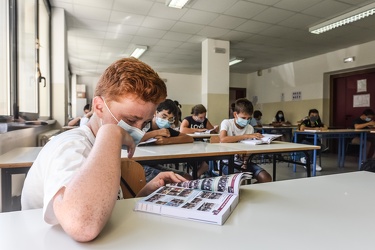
(308,165)
(341,151)
(314,155)
(274,167)
(6,190)
(231,164)
(6,186)
(362,149)
(294,153)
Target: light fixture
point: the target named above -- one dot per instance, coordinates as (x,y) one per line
(349,59)
(235,60)
(178,4)
(346,18)
(138,51)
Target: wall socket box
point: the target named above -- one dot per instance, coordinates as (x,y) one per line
(296,95)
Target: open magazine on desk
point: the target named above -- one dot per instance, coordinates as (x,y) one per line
(209,200)
(266,139)
(208,131)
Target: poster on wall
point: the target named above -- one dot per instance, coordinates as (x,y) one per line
(362,85)
(361,101)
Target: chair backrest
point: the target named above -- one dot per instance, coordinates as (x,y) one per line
(133,178)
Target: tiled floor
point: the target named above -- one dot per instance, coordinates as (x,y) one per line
(329,164)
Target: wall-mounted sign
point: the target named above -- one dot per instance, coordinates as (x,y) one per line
(361,101)
(362,85)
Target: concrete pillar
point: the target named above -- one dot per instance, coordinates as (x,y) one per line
(215,79)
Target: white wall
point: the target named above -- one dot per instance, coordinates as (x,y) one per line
(237,80)
(307,76)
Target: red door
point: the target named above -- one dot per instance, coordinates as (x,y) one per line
(344,90)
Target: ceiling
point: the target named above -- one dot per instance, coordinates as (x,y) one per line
(266,33)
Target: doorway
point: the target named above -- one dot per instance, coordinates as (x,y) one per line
(351,93)
(234,94)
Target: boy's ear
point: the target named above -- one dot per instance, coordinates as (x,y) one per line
(98,106)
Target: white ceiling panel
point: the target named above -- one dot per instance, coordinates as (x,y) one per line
(199,17)
(126,18)
(245,9)
(266,33)
(227,22)
(140,7)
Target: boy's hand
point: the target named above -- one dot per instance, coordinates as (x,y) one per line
(163,132)
(254,136)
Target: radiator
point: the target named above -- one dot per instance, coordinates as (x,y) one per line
(43,138)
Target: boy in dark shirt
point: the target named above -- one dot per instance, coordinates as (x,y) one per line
(312,123)
(365,121)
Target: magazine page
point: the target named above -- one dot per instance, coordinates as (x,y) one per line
(193,204)
(266,139)
(208,131)
(151,140)
(225,183)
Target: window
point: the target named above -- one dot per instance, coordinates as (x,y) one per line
(44,61)
(4,59)
(25,58)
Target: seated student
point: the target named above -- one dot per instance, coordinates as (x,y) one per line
(366,121)
(80,121)
(313,123)
(231,110)
(256,119)
(160,129)
(237,129)
(279,119)
(76,176)
(197,122)
(178,120)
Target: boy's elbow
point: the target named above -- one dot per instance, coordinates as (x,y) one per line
(82,231)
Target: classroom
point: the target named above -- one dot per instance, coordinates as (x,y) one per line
(54,52)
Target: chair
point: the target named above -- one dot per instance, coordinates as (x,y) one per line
(133,178)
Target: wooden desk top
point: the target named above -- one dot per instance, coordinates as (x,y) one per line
(19,157)
(334,131)
(326,212)
(201,149)
(25,156)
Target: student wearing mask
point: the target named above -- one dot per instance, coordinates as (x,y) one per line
(239,128)
(312,123)
(198,121)
(279,119)
(76,176)
(366,121)
(161,129)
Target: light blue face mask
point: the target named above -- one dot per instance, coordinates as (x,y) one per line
(162,123)
(368,119)
(134,132)
(242,122)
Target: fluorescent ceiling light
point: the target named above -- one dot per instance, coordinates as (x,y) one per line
(349,59)
(235,60)
(138,51)
(179,4)
(346,18)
